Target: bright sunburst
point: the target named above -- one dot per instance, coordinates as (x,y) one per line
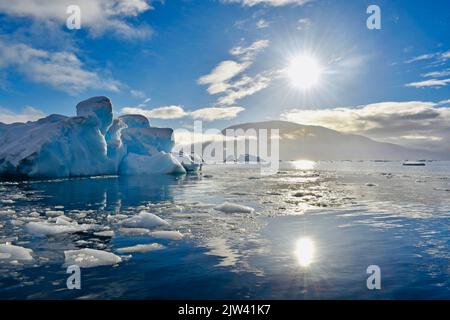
(304,71)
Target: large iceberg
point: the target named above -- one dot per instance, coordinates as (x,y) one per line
(91,143)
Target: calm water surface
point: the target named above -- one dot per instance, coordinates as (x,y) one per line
(315,230)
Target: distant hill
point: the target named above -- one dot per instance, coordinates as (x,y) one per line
(319,143)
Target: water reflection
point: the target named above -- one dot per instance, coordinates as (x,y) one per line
(298,165)
(304,251)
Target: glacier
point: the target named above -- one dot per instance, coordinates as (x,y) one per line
(91,143)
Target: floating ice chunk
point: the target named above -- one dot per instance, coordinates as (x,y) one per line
(141,248)
(170,235)
(89,258)
(7,201)
(144,220)
(134,231)
(107,233)
(7,212)
(54,213)
(45,228)
(11,252)
(228,207)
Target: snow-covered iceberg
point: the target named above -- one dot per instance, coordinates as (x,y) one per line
(91,143)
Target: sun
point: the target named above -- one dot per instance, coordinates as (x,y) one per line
(304,72)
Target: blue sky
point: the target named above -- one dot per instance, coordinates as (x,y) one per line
(224,62)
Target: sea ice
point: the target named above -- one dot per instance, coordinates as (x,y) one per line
(61,226)
(11,252)
(144,220)
(89,258)
(141,248)
(170,235)
(228,207)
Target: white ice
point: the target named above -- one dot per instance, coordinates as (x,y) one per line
(11,252)
(89,258)
(141,248)
(144,220)
(229,207)
(92,143)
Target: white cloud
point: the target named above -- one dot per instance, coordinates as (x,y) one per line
(437,74)
(413,123)
(303,24)
(27,114)
(262,24)
(98,16)
(224,71)
(249,53)
(176,112)
(138,94)
(167,112)
(224,80)
(422,57)
(245,86)
(61,70)
(429,83)
(275,3)
(212,114)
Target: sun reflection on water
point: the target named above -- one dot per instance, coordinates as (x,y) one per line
(304,251)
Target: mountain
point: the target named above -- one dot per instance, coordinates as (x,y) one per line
(319,143)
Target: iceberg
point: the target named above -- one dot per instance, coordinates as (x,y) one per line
(89,144)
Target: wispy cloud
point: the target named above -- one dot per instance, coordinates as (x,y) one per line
(166,112)
(262,24)
(275,3)
(176,112)
(97,16)
(62,70)
(216,113)
(429,83)
(427,56)
(228,80)
(27,114)
(303,24)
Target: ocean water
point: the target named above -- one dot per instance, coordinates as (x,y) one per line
(315,230)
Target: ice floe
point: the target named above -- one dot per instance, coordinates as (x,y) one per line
(89,258)
(144,220)
(229,207)
(141,248)
(47,228)
(12,252)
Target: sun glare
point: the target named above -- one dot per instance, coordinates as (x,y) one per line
(304,72)
(304,251)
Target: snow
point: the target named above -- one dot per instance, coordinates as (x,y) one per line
(90,144)
(89,258)
(144,220)
(11,252)
(228,207)
(141,248)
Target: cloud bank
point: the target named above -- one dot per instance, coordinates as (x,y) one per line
(413,123)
